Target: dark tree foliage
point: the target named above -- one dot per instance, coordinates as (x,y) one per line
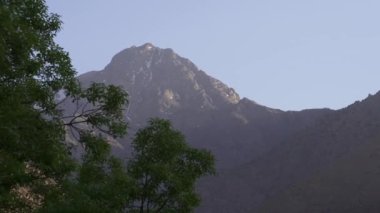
(36,168)
(38,172)
(165,170)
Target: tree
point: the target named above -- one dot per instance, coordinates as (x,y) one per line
(37,170)
(165,169)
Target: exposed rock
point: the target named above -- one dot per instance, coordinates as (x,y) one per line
(267,159)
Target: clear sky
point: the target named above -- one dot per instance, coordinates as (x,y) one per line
(291,55)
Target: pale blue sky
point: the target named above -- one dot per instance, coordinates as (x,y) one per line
(291,54)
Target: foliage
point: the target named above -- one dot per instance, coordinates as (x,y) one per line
(103,185)
(36,163)
(38,172)
(165,169)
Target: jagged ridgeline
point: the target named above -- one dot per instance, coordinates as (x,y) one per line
(268,160)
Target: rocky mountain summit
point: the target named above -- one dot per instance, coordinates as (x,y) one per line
(264,156)
(161,83)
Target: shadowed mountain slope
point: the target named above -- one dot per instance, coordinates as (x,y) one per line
(262,153)
(162,84)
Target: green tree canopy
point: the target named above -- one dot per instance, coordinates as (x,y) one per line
(165,170)
(38,172)
(35,160)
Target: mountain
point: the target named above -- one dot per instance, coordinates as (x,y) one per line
(160,83)
(262,154)
(338,161)
(330,166)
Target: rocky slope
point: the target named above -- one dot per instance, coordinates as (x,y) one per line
(160,83)
(262,153)
(330,166)
(337,163)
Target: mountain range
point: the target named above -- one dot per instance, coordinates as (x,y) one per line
(268,160)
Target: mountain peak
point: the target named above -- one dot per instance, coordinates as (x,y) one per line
(145,53)
(148,46)
(170,81)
